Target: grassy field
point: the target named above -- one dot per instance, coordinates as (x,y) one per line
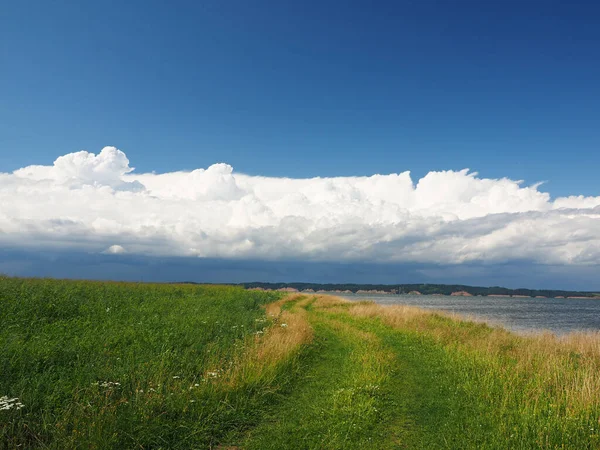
(113,365)
(148,366)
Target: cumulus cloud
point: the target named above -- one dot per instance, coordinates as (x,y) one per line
(84,168)
(87,202)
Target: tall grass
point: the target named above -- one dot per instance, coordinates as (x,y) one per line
(534,391)
(122,365)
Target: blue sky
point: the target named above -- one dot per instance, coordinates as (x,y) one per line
(298,90)
(507,88)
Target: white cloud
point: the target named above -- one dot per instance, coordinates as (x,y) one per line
(87,202)
(114,250)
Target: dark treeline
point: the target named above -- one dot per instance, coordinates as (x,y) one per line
(427,289)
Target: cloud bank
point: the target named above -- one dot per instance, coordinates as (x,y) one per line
(98,203)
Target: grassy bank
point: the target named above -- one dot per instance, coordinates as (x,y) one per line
(112,365)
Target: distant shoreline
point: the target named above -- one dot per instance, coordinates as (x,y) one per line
(462,293)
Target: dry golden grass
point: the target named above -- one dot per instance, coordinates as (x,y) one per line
(264,352)
(329,301)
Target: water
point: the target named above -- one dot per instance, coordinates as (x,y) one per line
(517,314)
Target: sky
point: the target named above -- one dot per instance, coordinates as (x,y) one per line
(403,141)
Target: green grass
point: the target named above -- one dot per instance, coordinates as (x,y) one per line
(434,382)
(371,387)
(334,405)
(149,366)
(60,340)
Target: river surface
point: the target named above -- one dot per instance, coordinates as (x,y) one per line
(517,314)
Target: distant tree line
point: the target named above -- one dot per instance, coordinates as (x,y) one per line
(426,289)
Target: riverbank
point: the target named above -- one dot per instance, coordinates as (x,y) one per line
(402,377)
(338,292)
(117,365)
(419,289)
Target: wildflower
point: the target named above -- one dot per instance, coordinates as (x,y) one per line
(176,377)
(259,332)
(107,309)
(107,384)
(196,384)
(283,325)
(10,403)
(192,401)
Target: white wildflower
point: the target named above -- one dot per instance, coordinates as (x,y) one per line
(283,325)
(10,403)
(107,384)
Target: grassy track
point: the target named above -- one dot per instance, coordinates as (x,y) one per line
(367,386)
(335,404)
(411,379)
(119,366)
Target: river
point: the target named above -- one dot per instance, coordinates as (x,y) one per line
(557,315)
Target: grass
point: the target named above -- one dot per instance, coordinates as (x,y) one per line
(483,387)
(148,366)
(114,365)
(335,404)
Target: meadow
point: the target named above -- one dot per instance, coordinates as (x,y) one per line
(153,366)
(116,365)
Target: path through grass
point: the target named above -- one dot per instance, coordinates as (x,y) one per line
(120,366)
(368,384)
